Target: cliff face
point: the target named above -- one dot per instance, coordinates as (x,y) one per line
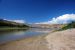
(5,23)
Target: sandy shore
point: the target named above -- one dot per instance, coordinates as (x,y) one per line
(61,40)
(34,43)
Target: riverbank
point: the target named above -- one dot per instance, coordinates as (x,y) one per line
(60,40)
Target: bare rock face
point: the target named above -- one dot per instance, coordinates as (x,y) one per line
(62,40)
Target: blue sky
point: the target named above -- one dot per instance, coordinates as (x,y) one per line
(33,11)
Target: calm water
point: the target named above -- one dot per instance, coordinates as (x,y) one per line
(16,35)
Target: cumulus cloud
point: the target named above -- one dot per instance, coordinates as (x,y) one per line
(63,19)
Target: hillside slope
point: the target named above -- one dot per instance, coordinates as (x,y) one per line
(5,23)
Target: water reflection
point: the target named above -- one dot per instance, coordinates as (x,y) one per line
(7,36)
(41,30)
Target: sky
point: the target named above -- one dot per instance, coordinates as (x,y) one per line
(63,19)
(36,11)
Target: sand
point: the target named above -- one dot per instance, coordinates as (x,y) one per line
(62,40)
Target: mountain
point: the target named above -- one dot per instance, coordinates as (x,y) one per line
(6,23)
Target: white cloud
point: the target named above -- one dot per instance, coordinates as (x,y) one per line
(66,18)
(19,21)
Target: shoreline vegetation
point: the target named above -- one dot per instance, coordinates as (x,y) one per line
(8,30)
(68,26)
(12,28)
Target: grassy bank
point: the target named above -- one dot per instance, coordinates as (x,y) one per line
(11,28)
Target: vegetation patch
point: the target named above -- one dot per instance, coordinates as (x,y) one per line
(68,26)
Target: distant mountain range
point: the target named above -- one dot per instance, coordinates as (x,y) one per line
(51,26)
(6,23)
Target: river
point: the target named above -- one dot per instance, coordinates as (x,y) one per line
(8,36)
